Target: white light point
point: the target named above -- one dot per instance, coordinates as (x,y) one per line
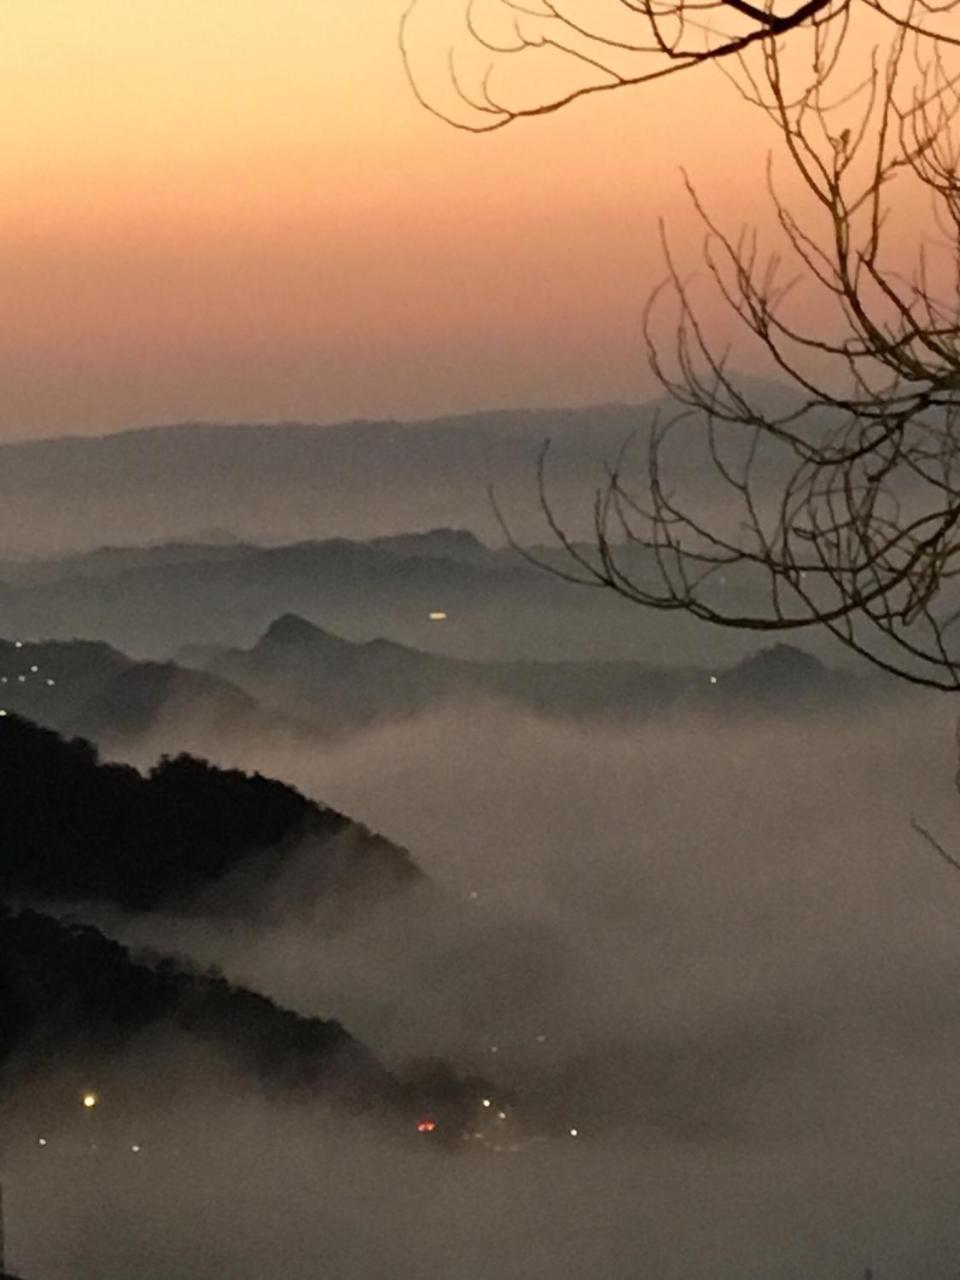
(501,1115)
(18,644)
(41,1142)
(574,1133)
(487,1102)
(3,713)
(713,679)
(34,669)
(50,682)
(136,1148)
(89,1101)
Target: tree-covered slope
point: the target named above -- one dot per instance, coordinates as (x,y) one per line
(74,828)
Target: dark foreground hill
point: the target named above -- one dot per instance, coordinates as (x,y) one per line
(66,989)
(76,1006)
(73,828)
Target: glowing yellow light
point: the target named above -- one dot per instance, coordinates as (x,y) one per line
(438,616)
(89,1101)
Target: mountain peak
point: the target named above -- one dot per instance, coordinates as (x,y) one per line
(783,660)
(292,629)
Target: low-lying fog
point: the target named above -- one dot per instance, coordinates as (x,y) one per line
(717,951)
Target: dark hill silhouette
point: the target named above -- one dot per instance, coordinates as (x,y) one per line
(73,1001)
(65,988)
(73,828)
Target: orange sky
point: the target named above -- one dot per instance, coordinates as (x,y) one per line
(233,209)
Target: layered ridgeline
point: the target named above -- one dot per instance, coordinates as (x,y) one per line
(299,682)
(298,668)
(74,829)
(151,601)
(357,479)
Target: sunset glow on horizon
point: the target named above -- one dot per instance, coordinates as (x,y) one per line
(233,210)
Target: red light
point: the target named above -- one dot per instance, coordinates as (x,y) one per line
(426,1126)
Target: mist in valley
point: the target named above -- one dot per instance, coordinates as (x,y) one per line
(717,951)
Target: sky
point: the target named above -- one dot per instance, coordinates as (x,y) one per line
(235,210)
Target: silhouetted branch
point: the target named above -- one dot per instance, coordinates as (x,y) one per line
(580,48)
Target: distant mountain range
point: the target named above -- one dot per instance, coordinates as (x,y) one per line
(152,601)
(297,480)
(357,479)
(299,682)
(299,669)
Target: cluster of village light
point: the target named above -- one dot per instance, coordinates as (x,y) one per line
(496,1138)
(427,1125)
(90,1101)
(24,677)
